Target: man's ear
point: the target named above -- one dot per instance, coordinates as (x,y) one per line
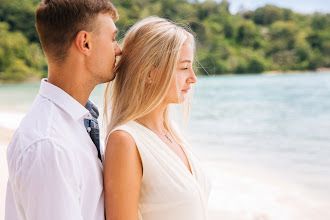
(151,75)
(83,42)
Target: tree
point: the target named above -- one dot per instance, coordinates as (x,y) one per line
(267,15)
(20,15)
(246,33)
(320,21)
(18,59)
(269,38)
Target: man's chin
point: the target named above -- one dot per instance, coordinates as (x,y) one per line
(106,80)
(114,76)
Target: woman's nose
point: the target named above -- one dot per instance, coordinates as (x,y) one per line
(192,78)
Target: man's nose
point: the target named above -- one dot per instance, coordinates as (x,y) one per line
(117,50)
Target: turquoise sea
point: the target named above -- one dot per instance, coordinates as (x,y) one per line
(263,139)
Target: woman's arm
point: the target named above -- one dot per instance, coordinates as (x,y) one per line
(122,177)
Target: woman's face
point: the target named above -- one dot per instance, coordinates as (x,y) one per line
(184,76)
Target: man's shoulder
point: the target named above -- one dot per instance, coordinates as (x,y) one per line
(39,123)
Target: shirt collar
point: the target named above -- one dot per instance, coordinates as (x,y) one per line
(63,100)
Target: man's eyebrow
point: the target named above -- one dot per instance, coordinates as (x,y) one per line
(185,61)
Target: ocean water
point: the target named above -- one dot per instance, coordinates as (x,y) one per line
(269,137)
(264,141)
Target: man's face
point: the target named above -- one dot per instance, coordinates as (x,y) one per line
(105,49)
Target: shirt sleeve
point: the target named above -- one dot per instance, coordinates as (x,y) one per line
(48,182)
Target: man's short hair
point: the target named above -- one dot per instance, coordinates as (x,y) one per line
(59,21)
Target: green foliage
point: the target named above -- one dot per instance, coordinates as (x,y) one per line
(320,40)
(282,37)
(269,14)
(18,58)
(19,14)
(284,60)
(246,33)
(269,38)
(320,21)
(256,65)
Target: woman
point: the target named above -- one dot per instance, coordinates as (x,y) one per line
(149,171)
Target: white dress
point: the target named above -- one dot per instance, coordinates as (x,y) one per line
(168,191)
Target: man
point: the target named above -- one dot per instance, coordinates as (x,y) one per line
(54,167)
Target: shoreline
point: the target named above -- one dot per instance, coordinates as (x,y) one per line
(270,72)
(28,80)
(319,70)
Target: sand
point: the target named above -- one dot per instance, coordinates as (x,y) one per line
(5,135)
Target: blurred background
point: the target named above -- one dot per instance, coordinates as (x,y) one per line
(260,120)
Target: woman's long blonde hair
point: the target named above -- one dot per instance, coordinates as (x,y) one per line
(152,44)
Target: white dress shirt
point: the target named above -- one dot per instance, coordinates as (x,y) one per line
(54,170)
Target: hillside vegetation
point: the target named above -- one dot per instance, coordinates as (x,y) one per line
(269,38)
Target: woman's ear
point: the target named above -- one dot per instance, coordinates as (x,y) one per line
(151,75)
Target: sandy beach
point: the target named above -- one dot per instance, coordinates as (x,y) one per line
(242,193)
(5,135)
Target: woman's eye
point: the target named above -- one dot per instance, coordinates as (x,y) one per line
(184,68)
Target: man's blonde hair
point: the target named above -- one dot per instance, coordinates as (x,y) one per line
(152,44)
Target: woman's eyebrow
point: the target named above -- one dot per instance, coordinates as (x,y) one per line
(185,61)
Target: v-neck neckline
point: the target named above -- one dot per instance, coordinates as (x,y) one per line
(179,165)
(171,152)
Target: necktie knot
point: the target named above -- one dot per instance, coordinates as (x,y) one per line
(91,107)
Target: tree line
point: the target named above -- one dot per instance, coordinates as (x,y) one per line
(268,38)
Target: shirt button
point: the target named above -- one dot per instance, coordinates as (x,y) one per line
(89,129)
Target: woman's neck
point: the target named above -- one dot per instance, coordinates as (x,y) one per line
(155,119)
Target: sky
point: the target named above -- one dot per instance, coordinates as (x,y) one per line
(301,6)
